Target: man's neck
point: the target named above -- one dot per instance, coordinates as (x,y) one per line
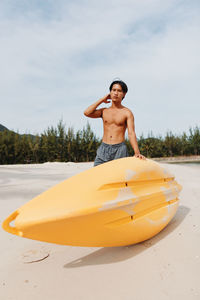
(116,105)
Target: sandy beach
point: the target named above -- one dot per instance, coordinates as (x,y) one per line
(164,267)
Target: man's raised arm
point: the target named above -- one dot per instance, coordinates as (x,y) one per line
(92,111)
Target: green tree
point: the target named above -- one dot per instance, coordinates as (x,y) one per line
(194,139)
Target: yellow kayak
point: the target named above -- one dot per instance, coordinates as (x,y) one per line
(122,202)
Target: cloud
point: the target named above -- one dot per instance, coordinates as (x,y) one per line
(59,57)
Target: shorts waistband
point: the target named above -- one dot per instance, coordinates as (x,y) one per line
(113,145)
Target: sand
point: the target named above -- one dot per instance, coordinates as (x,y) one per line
(164,267)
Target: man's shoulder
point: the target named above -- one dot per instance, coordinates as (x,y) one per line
(127,111)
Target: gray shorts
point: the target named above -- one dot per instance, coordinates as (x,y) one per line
(107,152)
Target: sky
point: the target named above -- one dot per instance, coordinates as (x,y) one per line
(59,57)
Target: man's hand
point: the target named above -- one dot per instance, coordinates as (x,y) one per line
(140,156)
(105,98)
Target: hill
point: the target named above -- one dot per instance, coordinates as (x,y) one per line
(2,128)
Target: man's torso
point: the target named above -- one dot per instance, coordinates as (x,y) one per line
(115,124)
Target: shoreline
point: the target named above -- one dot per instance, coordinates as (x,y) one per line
(170,159)
(178,159)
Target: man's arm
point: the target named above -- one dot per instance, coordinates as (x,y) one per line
(92,111)
(132,135)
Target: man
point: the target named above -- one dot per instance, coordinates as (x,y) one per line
(116,119)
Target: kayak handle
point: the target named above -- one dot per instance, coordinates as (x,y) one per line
(11,229)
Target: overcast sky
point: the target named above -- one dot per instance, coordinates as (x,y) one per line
(58,57)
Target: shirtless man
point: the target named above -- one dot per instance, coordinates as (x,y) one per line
(116,119)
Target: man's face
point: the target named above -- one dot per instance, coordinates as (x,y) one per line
(117,93)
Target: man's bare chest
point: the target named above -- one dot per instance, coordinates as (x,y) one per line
(115,118)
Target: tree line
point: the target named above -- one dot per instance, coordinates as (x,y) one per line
(58,144)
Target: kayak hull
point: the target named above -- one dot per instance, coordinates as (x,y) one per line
(119,203)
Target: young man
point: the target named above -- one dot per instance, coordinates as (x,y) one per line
(116,119)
